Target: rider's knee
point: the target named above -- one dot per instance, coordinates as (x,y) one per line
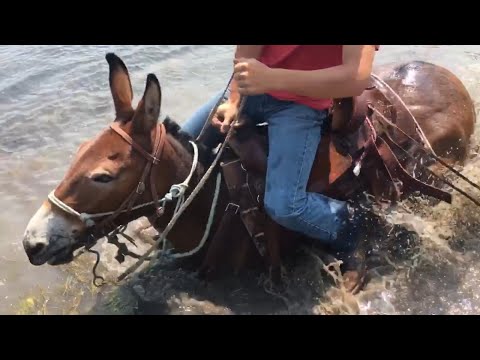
(284,212)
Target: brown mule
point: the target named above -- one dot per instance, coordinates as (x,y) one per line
(118,176)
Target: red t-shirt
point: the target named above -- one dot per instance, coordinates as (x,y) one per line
(302,57)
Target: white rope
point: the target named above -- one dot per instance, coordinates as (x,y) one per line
(209,223)
(177,191)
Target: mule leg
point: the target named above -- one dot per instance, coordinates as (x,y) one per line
(244,254)
(274,262)
(229,228)
(278,239)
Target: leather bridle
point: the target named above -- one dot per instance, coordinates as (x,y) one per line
(128,204)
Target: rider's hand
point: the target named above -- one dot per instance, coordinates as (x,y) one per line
(252,77)
(224,116)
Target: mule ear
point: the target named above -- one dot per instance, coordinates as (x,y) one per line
(120,86)
(148,110)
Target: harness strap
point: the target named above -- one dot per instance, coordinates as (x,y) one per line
(409,182)
(220,240)
(245,202)
(389,158)
(177,191)
(389,165)
(158,149)
(153,158)
(367,148)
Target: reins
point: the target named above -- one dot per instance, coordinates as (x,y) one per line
(214,109)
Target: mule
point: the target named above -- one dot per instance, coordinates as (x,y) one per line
(121,174)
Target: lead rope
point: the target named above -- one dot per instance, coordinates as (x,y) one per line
(211,216)
(189,200)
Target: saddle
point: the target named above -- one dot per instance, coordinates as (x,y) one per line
(358,150)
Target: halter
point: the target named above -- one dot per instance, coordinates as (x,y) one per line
(176,191)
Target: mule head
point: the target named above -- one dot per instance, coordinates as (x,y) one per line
(104,173)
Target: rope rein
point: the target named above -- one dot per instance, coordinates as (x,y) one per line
(214,109)
(211,216)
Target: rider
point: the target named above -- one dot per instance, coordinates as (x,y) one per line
(291,87)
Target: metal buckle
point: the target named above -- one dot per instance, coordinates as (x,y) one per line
(160,211)
(140,188)
(233,205)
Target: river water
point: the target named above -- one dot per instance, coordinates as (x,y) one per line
(54,97)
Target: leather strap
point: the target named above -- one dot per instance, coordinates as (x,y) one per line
(116,127)
(152,159)
(390,166)
(409,183)
(245,201)
(158,151)
(361,110)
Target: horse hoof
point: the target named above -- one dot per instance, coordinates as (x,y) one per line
(354,270)
(354,281)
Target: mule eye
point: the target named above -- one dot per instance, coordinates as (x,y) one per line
(102,178)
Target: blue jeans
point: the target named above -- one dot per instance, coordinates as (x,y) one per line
(294,132)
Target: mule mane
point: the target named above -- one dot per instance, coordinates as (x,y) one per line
(173,129)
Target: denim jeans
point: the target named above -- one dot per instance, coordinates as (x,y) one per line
(294,132)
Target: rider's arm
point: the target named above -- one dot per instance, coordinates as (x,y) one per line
(243,51)
(345,80)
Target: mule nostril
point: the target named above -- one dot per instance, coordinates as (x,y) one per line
(33,250)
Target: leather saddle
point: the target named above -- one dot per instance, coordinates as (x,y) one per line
(356,152)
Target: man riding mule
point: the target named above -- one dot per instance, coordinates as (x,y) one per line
(139,166)
(292,87)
